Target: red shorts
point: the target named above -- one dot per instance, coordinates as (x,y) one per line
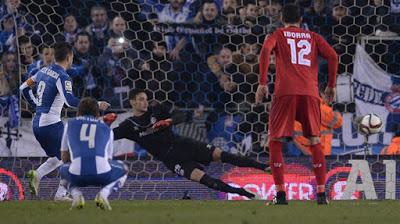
(286,109)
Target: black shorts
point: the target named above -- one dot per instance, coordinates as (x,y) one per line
(187,155)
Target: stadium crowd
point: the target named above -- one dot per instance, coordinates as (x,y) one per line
(117,48)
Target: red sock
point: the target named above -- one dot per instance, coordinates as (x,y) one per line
(319,164)
(277,163)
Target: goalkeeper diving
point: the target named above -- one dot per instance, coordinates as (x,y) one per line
(151,128)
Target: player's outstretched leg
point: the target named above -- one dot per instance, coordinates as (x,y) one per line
(277,167)
(319,167)
(240,161)
(78,200)
(216,184)
(35,176)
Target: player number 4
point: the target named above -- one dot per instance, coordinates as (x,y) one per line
(92,134)
(298,57)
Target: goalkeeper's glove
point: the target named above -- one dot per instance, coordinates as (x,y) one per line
(162,124)
(109,118)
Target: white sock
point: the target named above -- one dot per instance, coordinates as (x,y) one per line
(62,188)
(51,164)
(75,192)
(106,191)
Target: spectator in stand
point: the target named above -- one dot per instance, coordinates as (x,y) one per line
(175,12)
(229,6)
(230,12)
(262,6)
(316,16)
(9,98)
(273,10)
(339,14)
(71,28)
(85,78)
(8,84)
(336,35)
(384,22)
(221,62)
(26,51)
(119,65)
(223,73)
(98,29)
(46,58)
(118,27)
(21,17)
(155,60)
(157,72)
(251,18)
(9,74)
(208,15)
(7,33)
(251,13)
(247,57)
(334,30)
(118,30)
(224,132)
(247,61)
(226,83)
(10,33)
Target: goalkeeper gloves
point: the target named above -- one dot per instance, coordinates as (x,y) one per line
(109,118)
(162,124)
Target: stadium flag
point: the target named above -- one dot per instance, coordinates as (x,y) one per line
(372,87)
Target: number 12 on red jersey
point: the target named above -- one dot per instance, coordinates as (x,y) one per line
(297,57)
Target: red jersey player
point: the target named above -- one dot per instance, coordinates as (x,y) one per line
(296,93)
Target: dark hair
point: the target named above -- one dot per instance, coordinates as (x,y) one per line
(135,92)
(68,15)
(82,33)
(88,106)
(276,2)
(209,2)
(43,46)
(98,7)
(222,48)
(6,53)
(249,2)
(23,40)
(61,51)
(291,13)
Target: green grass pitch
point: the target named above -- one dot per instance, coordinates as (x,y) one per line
(202,212)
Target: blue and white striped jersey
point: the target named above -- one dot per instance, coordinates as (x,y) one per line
(90,143)
(53,89)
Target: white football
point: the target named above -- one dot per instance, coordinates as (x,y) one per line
(370,124)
